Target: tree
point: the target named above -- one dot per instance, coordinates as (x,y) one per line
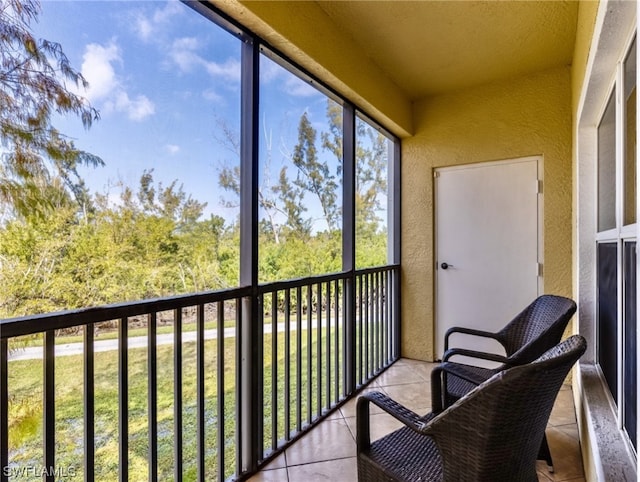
(169,202)
(371,164)
(292,197)
(229,176)
(39,164)
(371,175)
(315,175)
(332,140)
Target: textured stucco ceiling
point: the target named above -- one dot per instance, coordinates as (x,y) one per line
(431,47)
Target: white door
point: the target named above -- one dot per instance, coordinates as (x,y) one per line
(487,246)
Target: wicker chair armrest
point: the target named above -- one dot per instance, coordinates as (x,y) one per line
(390,406)
(468,331)
(437,389)
(438,382)
(474,354)
(461,371)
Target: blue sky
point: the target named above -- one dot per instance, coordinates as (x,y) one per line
(163,77)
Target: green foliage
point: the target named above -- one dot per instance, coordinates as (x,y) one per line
(31,252)
(292,199)
(299,257)
(123,252)
(26,420)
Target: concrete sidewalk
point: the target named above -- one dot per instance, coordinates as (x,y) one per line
(69,349)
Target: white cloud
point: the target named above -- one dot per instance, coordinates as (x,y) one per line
(229,70)
(136,109)
(170,10)
(97,68)
(143,27)
(148,26)
(271,72)
(299,88)
(106,88)
(184,53)
(172,149)
(212,96)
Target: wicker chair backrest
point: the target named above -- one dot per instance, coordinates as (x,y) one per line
(494,432)
(536,329)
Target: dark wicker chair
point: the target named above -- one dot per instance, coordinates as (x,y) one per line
(491,434)
(533,331)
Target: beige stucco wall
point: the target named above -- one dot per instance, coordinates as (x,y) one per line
(587,12)
(517,118)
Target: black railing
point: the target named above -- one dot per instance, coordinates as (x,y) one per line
(154,390)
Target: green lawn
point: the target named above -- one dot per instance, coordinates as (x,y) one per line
(25,386)
(25,410)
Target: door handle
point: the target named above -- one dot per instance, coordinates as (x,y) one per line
(446,266)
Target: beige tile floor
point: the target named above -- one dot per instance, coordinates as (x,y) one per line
(327,452)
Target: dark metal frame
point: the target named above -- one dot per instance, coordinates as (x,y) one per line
(375,338)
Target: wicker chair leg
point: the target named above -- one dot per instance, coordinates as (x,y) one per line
(545,454)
